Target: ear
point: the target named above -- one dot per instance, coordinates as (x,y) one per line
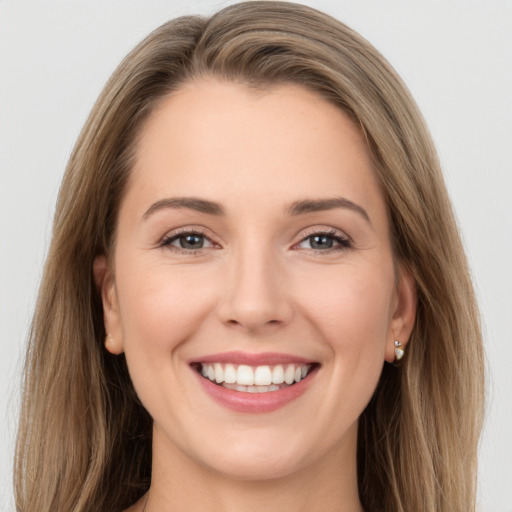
(403,314)
(106,286)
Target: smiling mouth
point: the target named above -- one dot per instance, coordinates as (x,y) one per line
(254,379)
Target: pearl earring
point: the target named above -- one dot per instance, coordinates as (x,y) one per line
(399,352)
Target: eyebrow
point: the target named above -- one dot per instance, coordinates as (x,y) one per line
(296,208)
(192,203)
(317,205)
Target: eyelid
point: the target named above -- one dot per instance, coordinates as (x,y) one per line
(324,230)
(344,240)
(172,235)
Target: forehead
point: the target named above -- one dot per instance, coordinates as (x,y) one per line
(227,142)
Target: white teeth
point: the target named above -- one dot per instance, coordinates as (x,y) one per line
(245,375)
(230,374)
(263,376)
(278,374)
(219,373)
(252,389)
(289,374)
(258,379)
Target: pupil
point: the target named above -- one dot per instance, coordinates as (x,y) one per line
(321,242)
(191,241)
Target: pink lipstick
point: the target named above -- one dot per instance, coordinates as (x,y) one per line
(254,383)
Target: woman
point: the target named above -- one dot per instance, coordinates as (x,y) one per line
(256,296)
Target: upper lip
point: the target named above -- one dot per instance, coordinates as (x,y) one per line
(251,359)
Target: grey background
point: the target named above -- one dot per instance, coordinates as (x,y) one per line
(456,57)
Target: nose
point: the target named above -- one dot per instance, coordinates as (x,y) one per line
(255,295)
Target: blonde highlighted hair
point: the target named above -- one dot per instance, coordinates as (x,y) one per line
(84,441)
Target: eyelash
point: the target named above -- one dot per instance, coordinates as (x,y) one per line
(343,241)
(168,239)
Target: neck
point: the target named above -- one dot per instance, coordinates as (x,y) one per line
(180,484)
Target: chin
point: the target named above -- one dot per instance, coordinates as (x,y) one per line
(256,461)
(256,470)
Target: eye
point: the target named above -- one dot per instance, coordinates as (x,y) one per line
(325,241)
(187,241)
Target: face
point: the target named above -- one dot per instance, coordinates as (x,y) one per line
(252,287)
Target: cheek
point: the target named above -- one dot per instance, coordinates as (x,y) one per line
(352,318)
(351,306)
(160,306)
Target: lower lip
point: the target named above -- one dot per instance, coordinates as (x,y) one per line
(255,403)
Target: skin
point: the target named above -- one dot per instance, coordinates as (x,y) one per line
(259,284)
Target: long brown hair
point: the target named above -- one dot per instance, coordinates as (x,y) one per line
(84,441)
